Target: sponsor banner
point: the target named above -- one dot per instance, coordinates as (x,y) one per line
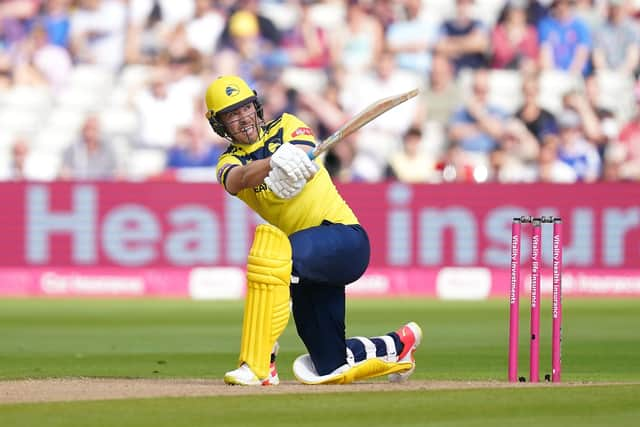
(180,225)
(173,224)
(464,283)
(210,283)
(457,283)
(217,283)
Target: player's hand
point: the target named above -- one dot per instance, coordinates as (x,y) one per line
(282,185)
(294,162)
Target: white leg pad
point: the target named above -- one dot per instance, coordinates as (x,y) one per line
(306,373)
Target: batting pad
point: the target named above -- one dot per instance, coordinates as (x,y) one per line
(305,372)
(266,310)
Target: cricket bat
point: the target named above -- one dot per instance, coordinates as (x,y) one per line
(365,116)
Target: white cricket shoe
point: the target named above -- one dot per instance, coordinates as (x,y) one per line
(411,336)
(245,376)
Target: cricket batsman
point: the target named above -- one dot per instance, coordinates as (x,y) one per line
(310,248)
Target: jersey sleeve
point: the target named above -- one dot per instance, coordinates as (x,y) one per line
(296,132)
(226,162)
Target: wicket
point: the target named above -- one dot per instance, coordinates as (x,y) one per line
(514,298)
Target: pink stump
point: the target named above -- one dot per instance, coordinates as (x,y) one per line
(514,300)
(534,352)
(556,306)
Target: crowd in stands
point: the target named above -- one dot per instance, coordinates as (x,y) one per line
(511,90)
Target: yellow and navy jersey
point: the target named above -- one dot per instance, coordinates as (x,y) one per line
(319,199)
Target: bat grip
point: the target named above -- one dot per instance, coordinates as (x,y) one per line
(311,154)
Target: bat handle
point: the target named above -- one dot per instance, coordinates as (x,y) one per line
(312,154)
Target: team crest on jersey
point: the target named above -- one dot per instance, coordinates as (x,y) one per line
(301,131)
(260,188)
(231,90)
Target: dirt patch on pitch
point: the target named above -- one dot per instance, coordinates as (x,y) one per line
(77,389)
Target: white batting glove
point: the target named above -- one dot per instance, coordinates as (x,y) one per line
(282,185)
(294,162)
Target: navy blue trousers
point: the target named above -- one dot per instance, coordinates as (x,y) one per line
(326,259)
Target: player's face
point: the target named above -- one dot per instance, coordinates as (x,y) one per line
(242,123)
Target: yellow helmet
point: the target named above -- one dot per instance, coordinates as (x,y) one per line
(227,93)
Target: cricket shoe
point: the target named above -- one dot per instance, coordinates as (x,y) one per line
(245,376)
(410,335)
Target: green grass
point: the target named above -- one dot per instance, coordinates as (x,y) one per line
(187,339)
(584,406)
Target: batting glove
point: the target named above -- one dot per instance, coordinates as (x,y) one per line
(282,185)
(294,162)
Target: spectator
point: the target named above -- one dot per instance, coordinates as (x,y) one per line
(247,53)
(17,170)
(514,42)
(380,137)
(411,164)
(358,92)
(412,38)
(176,46)
(326,109)
(98,30)
(514,160)
(575,150)
(191,151)
(592,93)
(161,112)
(442,95)
(477,126)
(356,46)
(617,41)
(565,40)
(16,18)
(539,122)
(590,12)
(90,158)
(52,61)
(57,22)
(267,30)
(551,168)
(384,10)
(587,110)
(21,61)
(464,40)
(534,10)
(149,23)
(438,101)
(307,44)
(183,72)
(205,29)
(168,13)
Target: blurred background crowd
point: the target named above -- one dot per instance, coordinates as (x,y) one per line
(511,90)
